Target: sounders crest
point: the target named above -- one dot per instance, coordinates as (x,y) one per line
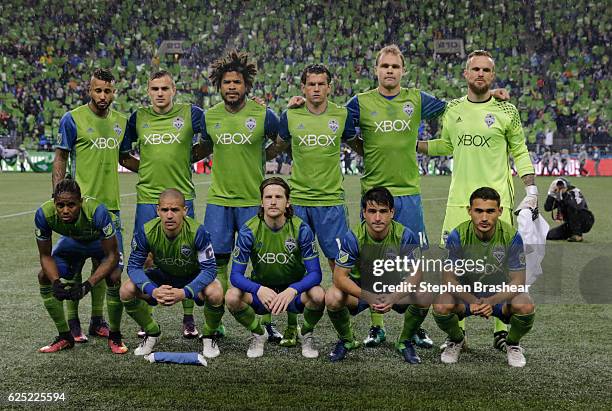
(117,129)
(333,125)
(489,120)
(178,123)
(499,253)
(250,123)
(290,245)
(408,109)
(185,250)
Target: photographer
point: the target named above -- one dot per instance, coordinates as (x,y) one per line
(572,210)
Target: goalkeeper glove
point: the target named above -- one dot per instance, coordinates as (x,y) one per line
(79,291)
(59,290)
(530,201)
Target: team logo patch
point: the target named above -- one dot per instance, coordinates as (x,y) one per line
(185,250)
(250,123)
(290,245)
(343,257)
(499,253)
(178,123)
(117,129)
(522,258)
(445,235)
(408,109)
(134,244)
(108,230)
(37,232)
(489,120)
(333,125)
(236,252)
(59,138)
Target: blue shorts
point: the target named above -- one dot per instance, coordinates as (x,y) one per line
(497,312)
(224,222)
(147,212)
(161,278)
(295,306)
(329,223)
(119,234)
(409,212)
(70,255)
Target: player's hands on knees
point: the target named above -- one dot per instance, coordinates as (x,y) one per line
(282,301)
(501,94)
(482,309)
(382,304)
(266,296)
(296,101)
(79,291)
(59,290)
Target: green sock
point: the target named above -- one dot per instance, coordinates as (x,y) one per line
(377,319)
(266,318)
(98,292)
(114,307)
(413,318)
(249,319)
(292,319)
(449,323)
(137,309)
(519,326)
(188,306)
(499,325)
(72,307)
(311,318)
(222,264)
(341,320)
(462,324)
(54,307)
(212,316)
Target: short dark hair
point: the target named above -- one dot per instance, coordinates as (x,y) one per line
(67,185)
(485,193)
(378,195)
(237,61)
(159,74)
(315,69)
(103,74)
(171,192)
(279,182)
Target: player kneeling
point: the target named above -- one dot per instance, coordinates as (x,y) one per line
(499,249)
(286,272)
(378,234)
(87,231)
(184,269)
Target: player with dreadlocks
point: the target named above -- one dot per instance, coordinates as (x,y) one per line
(238,130)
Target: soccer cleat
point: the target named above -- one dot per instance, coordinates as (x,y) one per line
(115,344)
(450,355)
(189,329)
(256,347)
(210,347)
(290,337)
(147,344)
(406,348)
(220,331)
(375,337)
(308,347)
(98,327)
(447,340)
(274,336)
(77,333)
(515,356)
(141,333)
(421,339)
(499,340)
(60,342)
(341,349)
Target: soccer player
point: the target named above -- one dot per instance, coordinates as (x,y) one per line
(480,133)
(237,129)
(315,132)
(486,238)
(164,134)
(286,272)
(87,230)
(344,298)
(91,135)
(184,269)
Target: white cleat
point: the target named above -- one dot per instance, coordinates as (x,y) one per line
(515,356)
(146,345)
(210,348)
(450,355)
(256,348)
(308,346)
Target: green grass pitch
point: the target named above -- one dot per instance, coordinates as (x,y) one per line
(569,359)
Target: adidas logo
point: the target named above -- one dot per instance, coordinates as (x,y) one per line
(459,119)
(300,126)
(90,130)
(374,113)
(145,125)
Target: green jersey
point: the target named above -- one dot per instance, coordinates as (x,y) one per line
(316,178)
(498,256)
(93,143)
(279,258)
(188,257)
(354,244)
(480,137)
(238,152)
(95,222)
(164,142)
(389,129)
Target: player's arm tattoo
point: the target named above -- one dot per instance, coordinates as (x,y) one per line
(357,145)
(528,179)
(59,167)
(130,162)
(200,151)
